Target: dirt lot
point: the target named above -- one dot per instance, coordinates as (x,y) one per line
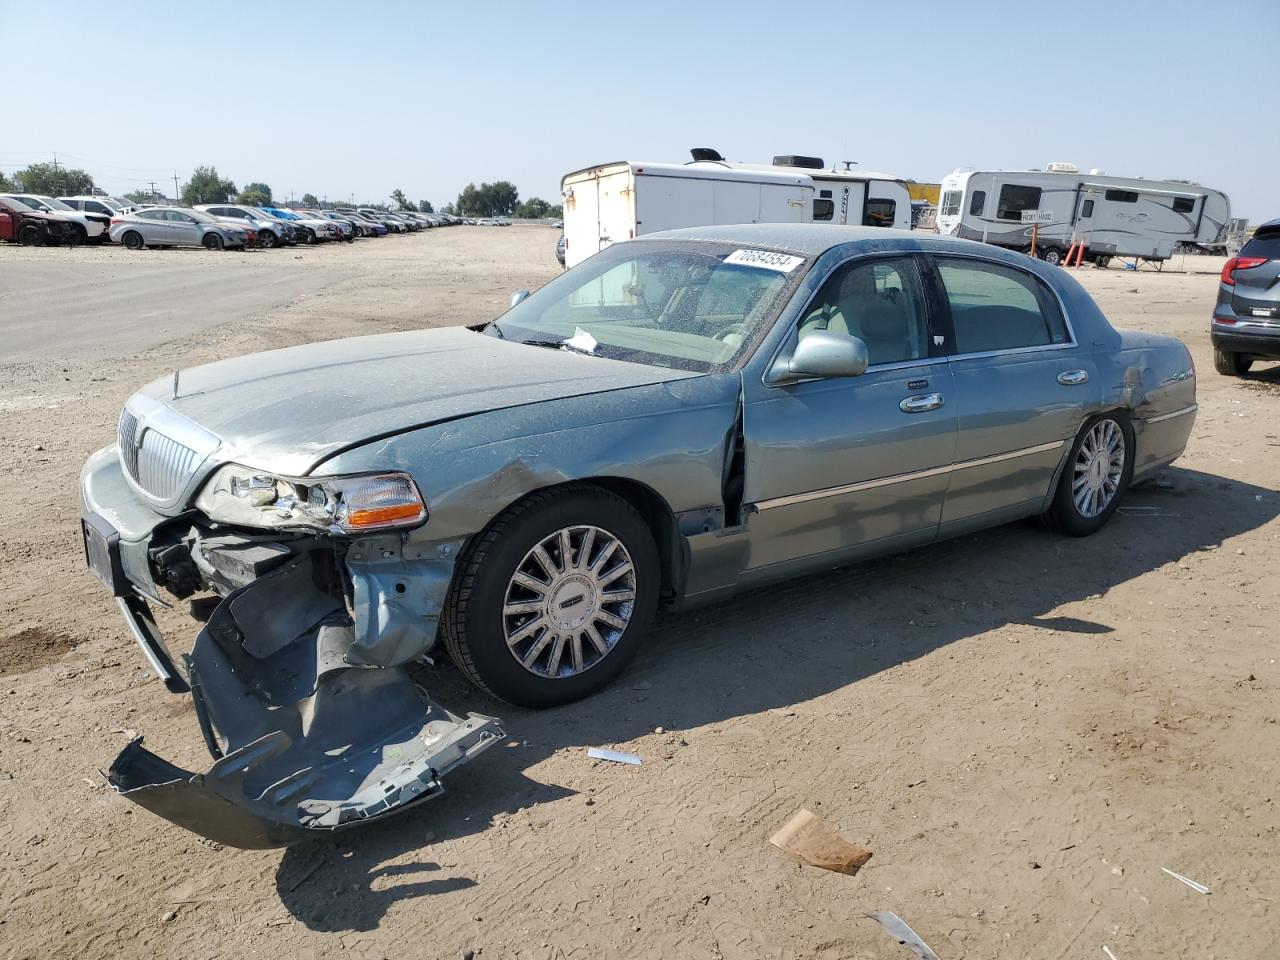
(1023,728)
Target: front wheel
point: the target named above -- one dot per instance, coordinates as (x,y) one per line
(1230,364)
(266,239)
(1095,477)
(132,240)
(212,241)
(31,236)
(552,601)
(1051,256)
(311,236)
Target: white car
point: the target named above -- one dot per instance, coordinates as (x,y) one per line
(110,206)
(90,227)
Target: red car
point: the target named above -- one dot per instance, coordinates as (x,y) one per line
(20,223)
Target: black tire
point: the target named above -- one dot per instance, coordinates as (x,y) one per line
(1102,261)
(1064,513)
(31,236)
(1051,256)
(76,236)
(311,236)
(473,622)
(267,240)
(132,240)
(1231,364)
(212,241)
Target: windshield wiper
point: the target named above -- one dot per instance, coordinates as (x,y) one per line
(559,345)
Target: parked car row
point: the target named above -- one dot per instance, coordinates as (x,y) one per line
(39,220)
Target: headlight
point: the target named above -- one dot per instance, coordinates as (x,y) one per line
(344,505)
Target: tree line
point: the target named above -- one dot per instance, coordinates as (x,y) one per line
(206,185)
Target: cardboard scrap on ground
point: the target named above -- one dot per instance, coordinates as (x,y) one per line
(806,837)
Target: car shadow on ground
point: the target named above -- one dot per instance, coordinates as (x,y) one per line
(770,648)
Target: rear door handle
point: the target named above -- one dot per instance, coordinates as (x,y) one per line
(1069,378)
(921,403)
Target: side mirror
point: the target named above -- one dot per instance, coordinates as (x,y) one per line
(516,298)
(822,353)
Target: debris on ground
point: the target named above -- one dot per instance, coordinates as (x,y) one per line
(806,837)
(614,756)
(1195,885)
(897,928)
(1107,951)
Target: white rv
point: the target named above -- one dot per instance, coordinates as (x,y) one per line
(620,201)
(1113,216)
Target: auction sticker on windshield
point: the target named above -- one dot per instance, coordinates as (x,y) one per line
(767,259)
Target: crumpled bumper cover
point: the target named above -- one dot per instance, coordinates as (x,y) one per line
(304,743)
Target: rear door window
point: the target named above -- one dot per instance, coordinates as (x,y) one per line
(996,307)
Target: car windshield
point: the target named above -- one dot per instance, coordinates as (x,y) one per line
(687,305)
(201,216)
(111,204)
(55,204)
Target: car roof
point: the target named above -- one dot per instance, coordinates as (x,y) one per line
(815,239)
(1271,226)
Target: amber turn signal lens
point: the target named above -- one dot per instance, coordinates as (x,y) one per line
(363,519)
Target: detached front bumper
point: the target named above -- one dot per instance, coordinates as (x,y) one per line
(299,680)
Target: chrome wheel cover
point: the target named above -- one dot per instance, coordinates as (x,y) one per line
(569,602)
(1098,468)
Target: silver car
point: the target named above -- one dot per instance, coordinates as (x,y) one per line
(677,419)
(176,227)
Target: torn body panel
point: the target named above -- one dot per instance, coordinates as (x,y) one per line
(307,739)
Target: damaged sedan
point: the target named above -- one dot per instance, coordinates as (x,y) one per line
(678,418)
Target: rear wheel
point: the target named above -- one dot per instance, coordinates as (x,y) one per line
(1095,477)
(1230,364)
(266,239)
(31,236)
(132,240)
(1102,261)
(212,241)
(76,236)
(552,601)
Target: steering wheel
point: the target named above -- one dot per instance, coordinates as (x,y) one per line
(730,330)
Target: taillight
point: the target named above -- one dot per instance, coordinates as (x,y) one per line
(115,220)
(1239,263)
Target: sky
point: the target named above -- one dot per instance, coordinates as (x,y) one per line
(359,99)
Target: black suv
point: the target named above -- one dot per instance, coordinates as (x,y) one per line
(1246,319)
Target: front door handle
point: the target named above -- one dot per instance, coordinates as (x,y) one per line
(921,403)
(1069,378)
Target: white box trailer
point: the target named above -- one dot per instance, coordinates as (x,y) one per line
(1112,216)
(627,199)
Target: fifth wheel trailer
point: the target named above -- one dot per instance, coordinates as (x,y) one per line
(611,202)
(1112,216)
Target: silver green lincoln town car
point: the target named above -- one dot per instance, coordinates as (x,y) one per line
(676,419)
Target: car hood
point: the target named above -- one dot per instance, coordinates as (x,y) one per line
(286,411)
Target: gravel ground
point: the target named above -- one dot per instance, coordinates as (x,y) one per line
(1023,728)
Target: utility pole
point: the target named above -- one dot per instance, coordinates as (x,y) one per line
(152,184)
(176,197)
(55,171)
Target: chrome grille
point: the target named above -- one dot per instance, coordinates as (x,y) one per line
(157,463)
(128,452)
